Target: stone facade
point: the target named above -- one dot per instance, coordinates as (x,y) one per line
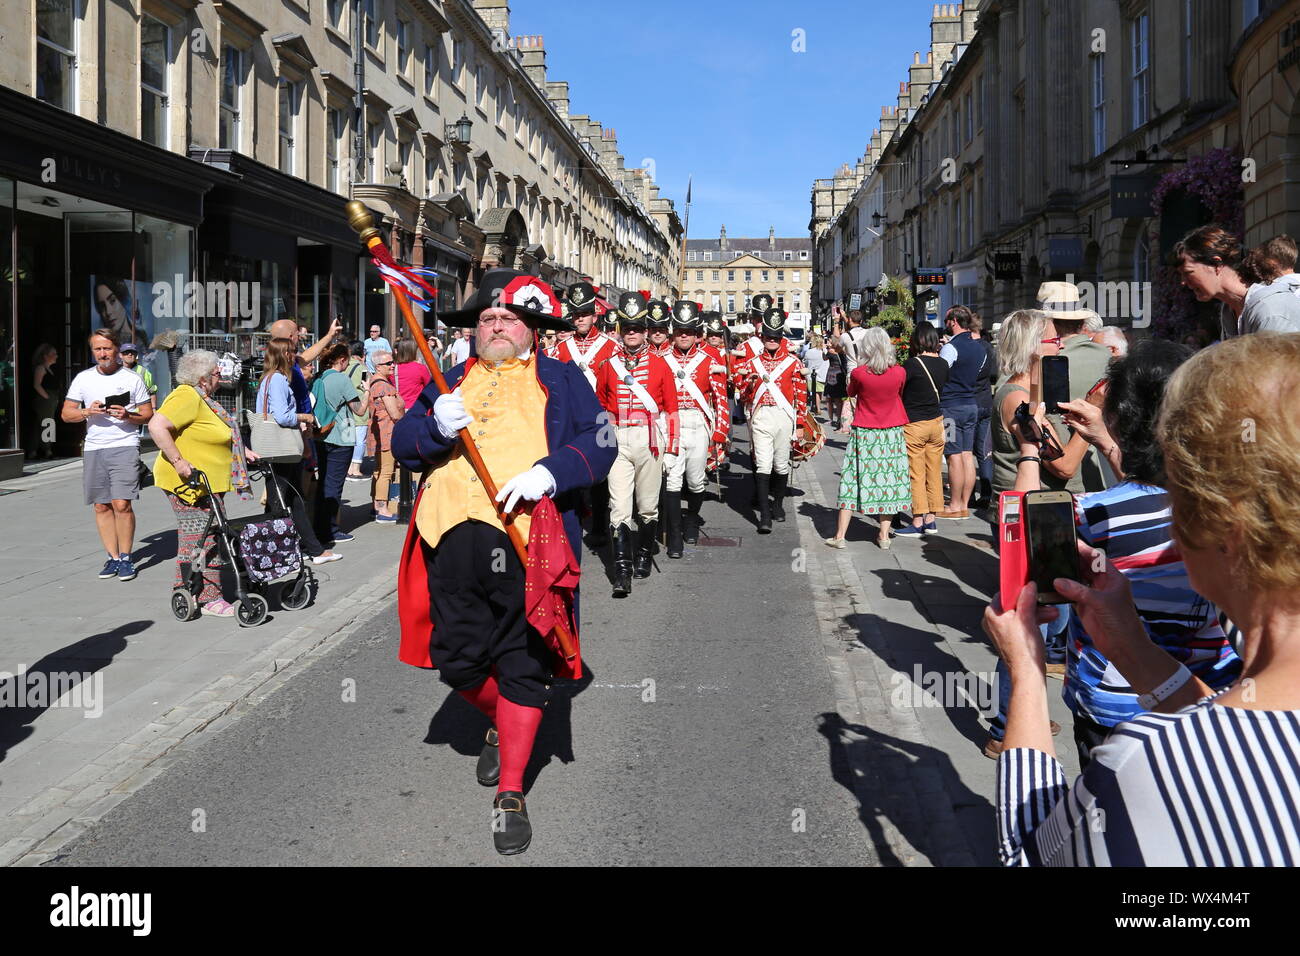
(723,274)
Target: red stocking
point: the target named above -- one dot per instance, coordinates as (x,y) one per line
(517,726)
(484,697)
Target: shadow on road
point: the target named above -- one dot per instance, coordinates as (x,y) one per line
(71,665)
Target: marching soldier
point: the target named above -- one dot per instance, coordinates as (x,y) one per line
(587,348)
(753,345)
(775,394)
(658,321)
(635,387)
(702,411)
(715,331)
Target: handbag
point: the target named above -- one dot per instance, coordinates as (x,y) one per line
(271,440)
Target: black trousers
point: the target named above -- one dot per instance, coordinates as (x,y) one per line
(476,593)
(1088,736)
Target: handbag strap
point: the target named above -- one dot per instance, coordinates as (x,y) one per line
(921,361)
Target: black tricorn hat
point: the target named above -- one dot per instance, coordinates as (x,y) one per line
(773,323)
(687,316)
(525,295)
(657,314)
(761,303)
(580,299)
(631,309)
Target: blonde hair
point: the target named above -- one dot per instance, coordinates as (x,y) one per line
(1018,340)
(877,351)
(1231,442)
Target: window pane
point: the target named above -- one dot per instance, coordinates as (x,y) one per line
(230,76)
(286,108)
(152,128)
(153,53)
(54,19)
(53,77)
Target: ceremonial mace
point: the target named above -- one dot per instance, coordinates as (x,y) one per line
(360,219)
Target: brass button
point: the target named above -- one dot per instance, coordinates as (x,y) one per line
(482,420)
(480,431)
(473,477)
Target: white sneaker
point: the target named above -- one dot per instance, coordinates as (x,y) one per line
(327,557)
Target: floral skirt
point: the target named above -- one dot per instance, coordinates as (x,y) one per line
(874,479)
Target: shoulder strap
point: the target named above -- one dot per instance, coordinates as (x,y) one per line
(921,360)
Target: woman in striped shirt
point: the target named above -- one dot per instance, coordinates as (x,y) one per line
(1206,780)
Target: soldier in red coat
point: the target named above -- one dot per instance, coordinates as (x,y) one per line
(636,389)
(705,420)
(775,394)
(658,325)
(716,335)
(587,348)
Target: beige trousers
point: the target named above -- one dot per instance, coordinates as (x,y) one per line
(771,431)
(693,446)
(637,474)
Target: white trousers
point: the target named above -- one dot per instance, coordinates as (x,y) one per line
(771,431)
(693,445)
(636,474)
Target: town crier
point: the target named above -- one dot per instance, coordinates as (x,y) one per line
(635,388)
(467,605)
(775,395)
(587,348)
(702,411)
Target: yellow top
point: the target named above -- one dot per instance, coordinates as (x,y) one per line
(509,428)
(203,440)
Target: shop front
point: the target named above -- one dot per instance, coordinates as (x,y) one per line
(96,230)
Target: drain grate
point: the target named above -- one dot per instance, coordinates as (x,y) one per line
(719,542)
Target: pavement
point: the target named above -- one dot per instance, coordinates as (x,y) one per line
(766,700)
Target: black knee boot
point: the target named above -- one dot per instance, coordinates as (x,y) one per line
(779,484)
(645,549)
(622,538)
(762,489)
(691,523)
(672,518)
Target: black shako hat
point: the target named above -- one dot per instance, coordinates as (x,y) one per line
(580,299)
(713,324)
(525,295)
(772,324)
(657,314)
(760,304)
(631,310)
(686,316)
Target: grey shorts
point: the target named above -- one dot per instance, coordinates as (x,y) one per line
(110,474)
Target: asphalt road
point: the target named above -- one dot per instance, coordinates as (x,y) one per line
(724,766)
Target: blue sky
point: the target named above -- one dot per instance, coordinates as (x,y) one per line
(713,88)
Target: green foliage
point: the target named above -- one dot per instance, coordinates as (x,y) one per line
(897,319)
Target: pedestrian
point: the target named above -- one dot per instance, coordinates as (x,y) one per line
(462,586)
(45,402)
(410,375)
(375,342)
(1208,778)
(926,375)
(874,476)
(983,444)
(815,361)
(1210,260)
(837,383)
(357,374)
(131,361)
(459,347)
(275,400)
(386,409)
(635,388)
(776,401)
(192,431)
(966,358)
(113,403)
(337,402)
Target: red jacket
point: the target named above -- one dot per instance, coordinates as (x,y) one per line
(710,384)
(880,397)
(623,405)
(791,382)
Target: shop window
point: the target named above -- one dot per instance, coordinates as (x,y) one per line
(290,95)
(232,83)
(155,62)
(56,53)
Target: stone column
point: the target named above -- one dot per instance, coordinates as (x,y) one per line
(1008,150)
(1211,39)
(1036,82)
(990,214)
(1067,113)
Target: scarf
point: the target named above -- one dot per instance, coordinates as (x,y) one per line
(238,464)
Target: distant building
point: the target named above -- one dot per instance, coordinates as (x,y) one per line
(723,274)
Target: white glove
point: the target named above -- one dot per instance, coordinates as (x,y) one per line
(531,485)
(717,370)
(449,412)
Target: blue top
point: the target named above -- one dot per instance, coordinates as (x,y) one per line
(301,391)
(277,392)
(372,346)
(965,356)
(1132,524)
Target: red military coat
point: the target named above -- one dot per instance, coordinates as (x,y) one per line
(617,398)
(790,381)
(698,364)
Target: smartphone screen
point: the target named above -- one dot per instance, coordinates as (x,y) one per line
(1050,541)
(1056,382)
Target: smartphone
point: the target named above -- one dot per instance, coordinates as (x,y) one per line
(1050,541)
(1056,382)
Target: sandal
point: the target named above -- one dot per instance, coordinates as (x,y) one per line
(221,608)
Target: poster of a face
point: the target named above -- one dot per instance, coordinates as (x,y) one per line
(125,307)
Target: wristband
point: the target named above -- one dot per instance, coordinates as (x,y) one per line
(1166,690)
(1026,458)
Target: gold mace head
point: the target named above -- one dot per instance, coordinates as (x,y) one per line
(361,221)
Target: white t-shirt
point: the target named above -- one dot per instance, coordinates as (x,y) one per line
(459,349)
(851,342)
(102,431)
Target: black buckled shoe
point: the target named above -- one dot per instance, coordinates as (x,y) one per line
(488,770)
(622,537)
(511,831)
(779,484)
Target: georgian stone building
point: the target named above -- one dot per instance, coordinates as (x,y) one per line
(1025,142)
(723,274)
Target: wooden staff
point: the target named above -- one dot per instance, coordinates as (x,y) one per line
(360,219)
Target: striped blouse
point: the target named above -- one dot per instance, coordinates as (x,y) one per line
(1207,786)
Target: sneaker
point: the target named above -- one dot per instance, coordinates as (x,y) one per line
(222,608)
(836,543)
(930,527)
(125,568)
(326,558)
(110,569)
(343,536)
(909,531)
(385,519)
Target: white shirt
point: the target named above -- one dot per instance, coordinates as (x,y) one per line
(103,431)
(459,349)
(851,341)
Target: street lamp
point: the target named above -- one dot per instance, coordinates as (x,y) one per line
(877,220)
(458,132)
